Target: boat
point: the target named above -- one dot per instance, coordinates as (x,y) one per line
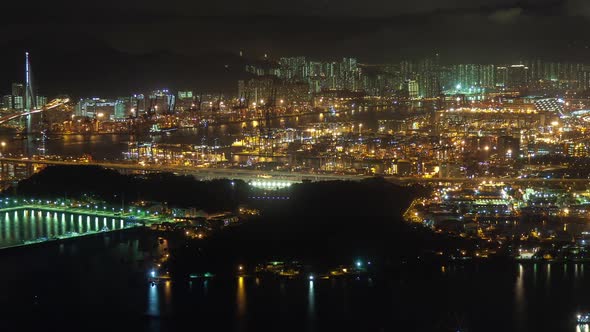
(206,122)
(205,275)
(156,129)
(583,318)
(105,229)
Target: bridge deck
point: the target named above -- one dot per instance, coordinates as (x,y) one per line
(252,175)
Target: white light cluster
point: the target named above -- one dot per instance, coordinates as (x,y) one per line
(270,184)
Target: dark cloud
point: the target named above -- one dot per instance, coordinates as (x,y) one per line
(74,39)
(365,8)
(578,7)
(506,15)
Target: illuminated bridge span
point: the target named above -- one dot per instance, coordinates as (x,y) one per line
(268,179)
(30,98)
(261,178)
(52,104)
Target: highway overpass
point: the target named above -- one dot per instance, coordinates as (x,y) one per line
(202,173)
(248,175)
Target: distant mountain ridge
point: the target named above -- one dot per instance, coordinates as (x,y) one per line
(96,69)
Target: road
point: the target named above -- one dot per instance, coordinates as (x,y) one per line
(409,180)
(201,172)
(51,105)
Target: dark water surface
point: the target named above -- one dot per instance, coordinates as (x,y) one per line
(100,283)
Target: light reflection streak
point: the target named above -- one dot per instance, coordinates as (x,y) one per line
(311,301)
(153,304)
(241,298)
(520,296)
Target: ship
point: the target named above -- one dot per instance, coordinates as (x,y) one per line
(156,129)
(20,136)
(583,318)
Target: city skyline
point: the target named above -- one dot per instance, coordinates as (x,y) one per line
(244,68)
(300,165)
(182,44)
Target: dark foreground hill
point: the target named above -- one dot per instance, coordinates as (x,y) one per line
(322,222)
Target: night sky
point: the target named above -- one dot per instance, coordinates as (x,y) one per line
(113,47)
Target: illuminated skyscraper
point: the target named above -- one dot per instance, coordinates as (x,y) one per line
(293,69)
(406,70)
(349,73)
(40,101)
(411,89)
(584,80)
(15,100)
(501,76)
(7,102)
(517,76)
(18,89)
(467,76)
(486,75)
(429,77)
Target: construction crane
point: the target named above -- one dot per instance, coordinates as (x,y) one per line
(266,132)
(136,108)
(217,105)
(151,111)
(243,101)
(197,104)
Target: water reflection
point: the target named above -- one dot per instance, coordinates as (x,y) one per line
(520,300)
(153,304)
(168,296)
(311,301)
(241,305)
(7,227)
(16,227)
(22,226)
(241,298)
(548,278)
